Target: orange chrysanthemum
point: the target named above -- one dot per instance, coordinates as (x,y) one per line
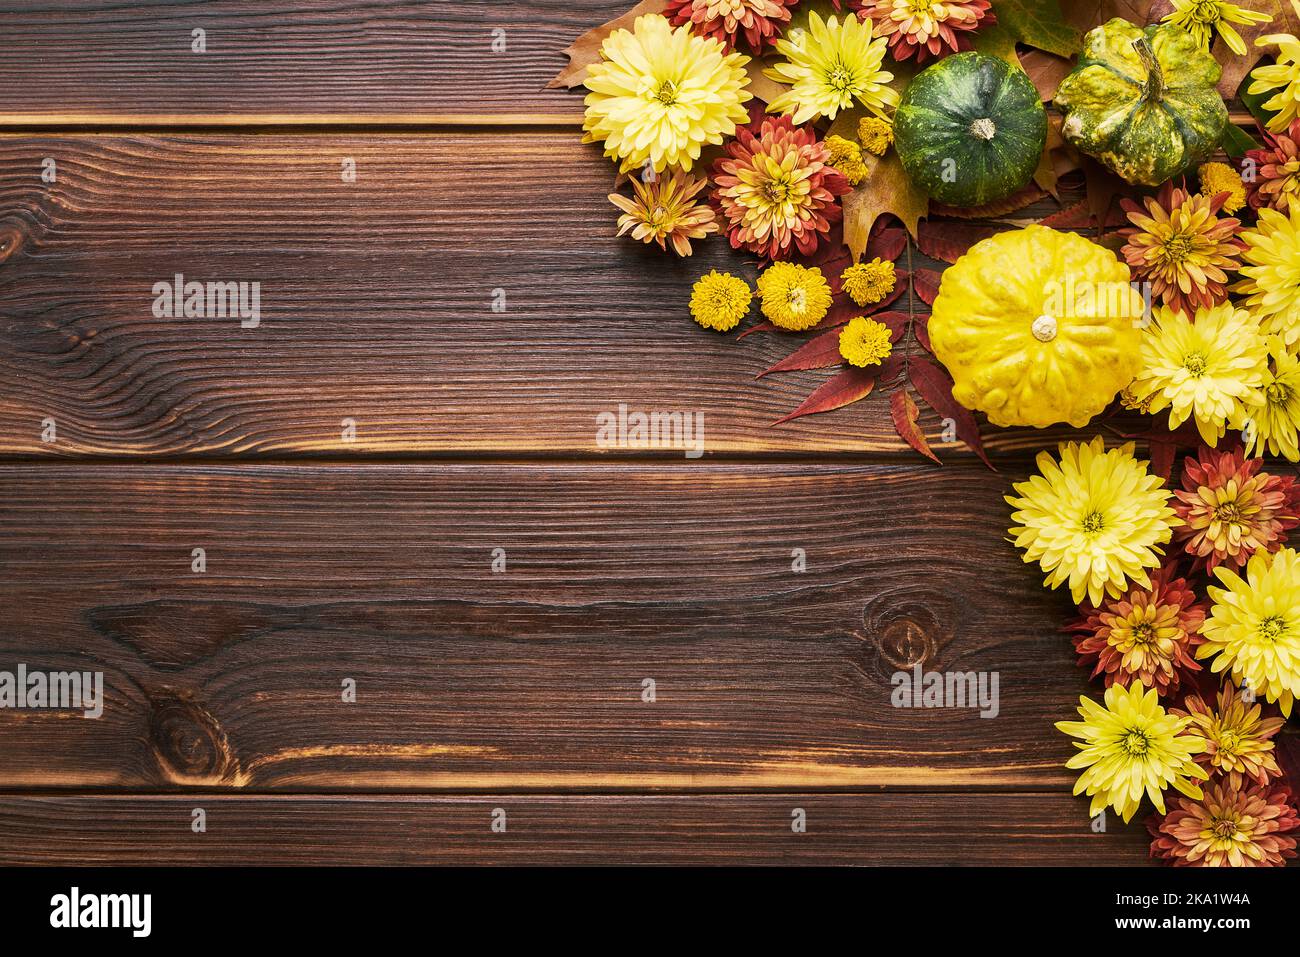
(758,21)
(1238,740)
(1276,183)
(925,28)
(1229,826)
(1182,247)
(1230,509)
(777,188)
(665,211)
(1147,634)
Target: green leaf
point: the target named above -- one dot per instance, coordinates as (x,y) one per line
(1254,102)
(1038,23)
(1237,142)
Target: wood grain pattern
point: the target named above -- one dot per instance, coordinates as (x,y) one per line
(879,829)
(376,305)
(352,59)
(765,678)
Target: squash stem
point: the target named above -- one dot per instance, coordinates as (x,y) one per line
(1155,85)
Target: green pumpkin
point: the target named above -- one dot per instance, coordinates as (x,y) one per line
(970,130)
(1144,101)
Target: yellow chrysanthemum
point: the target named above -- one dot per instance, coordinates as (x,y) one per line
(1201,18)
(1131,747)
(666,212)
(1282,76)
(846,156)
(869,282)
(830,65)
(659,95)
(1219,178)
(720,300)
(794,297)
(1275,425)
(1272,272)
(1209,368)
(865,342)
(1253,630)
(876,134)
(1095,519)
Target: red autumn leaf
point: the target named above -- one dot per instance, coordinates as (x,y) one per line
(821,352)
(840,390)
(936,388)
(1027,195)
(921,328)
(1163,454)
(905,413)
(950,241)
(925,283)
(756,327)
(887,244)
(895,321)
(1046,70)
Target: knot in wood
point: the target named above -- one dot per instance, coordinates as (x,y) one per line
(188,741)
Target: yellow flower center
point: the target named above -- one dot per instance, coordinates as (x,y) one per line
(1272,627)
(1277,393)
(1195,364)
(1228,513)
(666,93)
(1207,12)
(1177,248)
(1136,743)
(1143,632)
(1225,828)
(840,78)
(777,191)
(1228,742)
(797,300)
(1093,522)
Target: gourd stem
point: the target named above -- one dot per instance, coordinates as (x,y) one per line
(1155,85)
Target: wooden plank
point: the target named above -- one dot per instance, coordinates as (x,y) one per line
(376,305)
(535,677)
(354,60)
(882,829)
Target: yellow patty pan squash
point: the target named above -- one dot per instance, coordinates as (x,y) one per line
(1037,327)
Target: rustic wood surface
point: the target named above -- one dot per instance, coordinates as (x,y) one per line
(899,828)
(370,559)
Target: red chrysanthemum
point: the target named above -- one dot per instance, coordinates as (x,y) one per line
(1276,183)
(1229,827)
(925,28)
(758,21)
(777,189)
(1231,509)
(1148,634)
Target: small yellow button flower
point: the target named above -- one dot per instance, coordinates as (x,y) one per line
(871,282)
(865,342)
(846,156)
(720,300)
(1219,178)
(875,134)
(794,297)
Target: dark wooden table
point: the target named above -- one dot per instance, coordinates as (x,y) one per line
(371,560)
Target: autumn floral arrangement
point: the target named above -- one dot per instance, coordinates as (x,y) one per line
(832,143)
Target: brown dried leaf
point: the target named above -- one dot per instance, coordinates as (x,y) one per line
(886,190)
(763,87)
(847,387)
(1047,70)
(1286,19)
(585,50)
(1083,15)
(903,410)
